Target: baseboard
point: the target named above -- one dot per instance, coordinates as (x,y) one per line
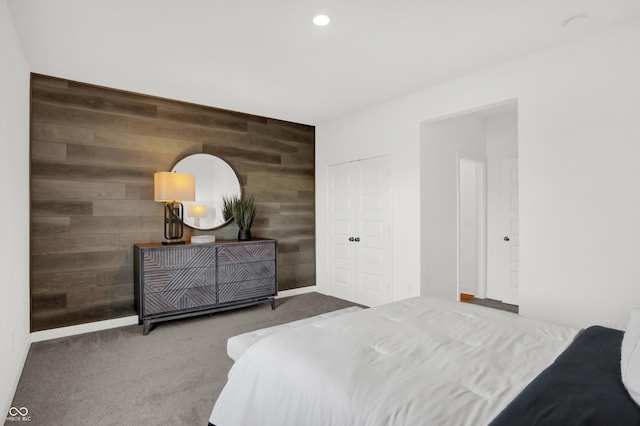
(73,330)
(297,291)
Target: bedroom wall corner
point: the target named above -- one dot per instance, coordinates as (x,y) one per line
(14,173)
(579,203)
(94,151)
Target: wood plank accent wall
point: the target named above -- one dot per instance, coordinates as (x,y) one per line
(94,151)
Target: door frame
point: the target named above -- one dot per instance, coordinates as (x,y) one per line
(481,220)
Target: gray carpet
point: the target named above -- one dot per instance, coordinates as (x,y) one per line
(495,304)
(170,377)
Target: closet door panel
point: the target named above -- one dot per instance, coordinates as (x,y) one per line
(360,243)
(342,253)
(373,218)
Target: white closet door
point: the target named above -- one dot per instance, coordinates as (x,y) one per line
(360,244)
(342,252)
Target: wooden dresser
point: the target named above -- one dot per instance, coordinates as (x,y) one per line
(184,280)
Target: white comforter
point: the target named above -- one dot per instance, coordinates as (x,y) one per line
(414,362)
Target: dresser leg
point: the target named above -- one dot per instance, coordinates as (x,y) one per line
(273,303)
(146,327)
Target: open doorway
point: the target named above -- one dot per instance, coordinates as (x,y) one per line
(472,226)
(481,142)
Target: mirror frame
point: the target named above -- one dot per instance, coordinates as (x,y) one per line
(204,185)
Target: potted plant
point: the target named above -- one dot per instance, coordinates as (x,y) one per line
(244,213)
(227,207)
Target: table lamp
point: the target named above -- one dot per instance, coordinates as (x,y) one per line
(172,188)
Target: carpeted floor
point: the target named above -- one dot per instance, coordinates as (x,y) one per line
(495,304)
(170,377)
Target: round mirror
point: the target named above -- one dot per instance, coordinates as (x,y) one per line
(215,179)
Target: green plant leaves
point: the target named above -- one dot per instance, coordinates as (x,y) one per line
(243,211)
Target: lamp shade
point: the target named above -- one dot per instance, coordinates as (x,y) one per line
(197,211)
(171,186)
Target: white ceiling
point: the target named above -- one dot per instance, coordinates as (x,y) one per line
(265,57)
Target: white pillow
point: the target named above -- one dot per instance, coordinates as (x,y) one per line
(630,357)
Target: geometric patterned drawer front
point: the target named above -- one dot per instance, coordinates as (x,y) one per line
(166,270)
(243,290)
(171,301)
(241,253)
(158,279)
(246,271)
(180,257)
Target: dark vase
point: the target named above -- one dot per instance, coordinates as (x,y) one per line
(244,235)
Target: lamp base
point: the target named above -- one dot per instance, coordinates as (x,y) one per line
(173,242)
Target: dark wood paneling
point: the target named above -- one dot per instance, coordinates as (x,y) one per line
(93,154)
(54,208)
(68,315)
(109,173)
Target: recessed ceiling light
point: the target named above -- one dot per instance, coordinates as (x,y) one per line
(321,20)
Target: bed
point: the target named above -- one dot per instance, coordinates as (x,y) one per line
(414,362)
(582,387)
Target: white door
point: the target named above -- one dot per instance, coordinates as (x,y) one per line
(360,244)
(342,251)
(472,224)
(511,239)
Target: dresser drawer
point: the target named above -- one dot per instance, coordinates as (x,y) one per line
(241,253)
(242,290)
(176,269)
(179,257)
(168,280)
(177,300)
(233,272)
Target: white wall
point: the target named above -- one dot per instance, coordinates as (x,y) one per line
(502,144)
(578,148)
(468,232)
(441,141)
(14,175)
